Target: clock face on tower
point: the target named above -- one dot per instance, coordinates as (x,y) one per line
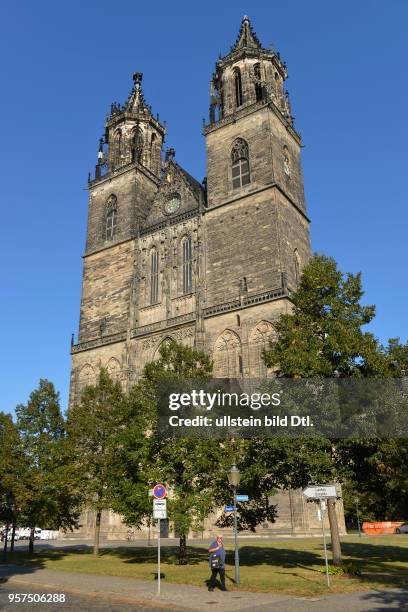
(173,204)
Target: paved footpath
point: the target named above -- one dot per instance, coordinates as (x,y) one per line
(122,591)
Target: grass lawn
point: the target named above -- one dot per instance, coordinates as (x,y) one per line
(289,566)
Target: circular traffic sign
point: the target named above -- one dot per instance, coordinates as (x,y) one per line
(159,491)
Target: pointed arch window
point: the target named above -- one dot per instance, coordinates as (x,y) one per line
(187,265)
(238,87)
(137,145)
(258,83)
(154,154)
(117,148)
(111,221)
(154,276)
(240,164)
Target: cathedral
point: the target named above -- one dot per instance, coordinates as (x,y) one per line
(210,264)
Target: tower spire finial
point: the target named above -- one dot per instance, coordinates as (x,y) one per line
(246,36)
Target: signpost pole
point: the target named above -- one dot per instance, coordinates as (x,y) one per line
(322,503)
(236,538)
(158,556)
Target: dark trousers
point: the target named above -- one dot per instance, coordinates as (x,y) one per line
(213,578)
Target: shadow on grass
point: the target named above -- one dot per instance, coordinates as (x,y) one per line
(378,562)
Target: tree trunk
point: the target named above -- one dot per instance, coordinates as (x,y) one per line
(13,535)
(97,532)
(334,533)
(183,550)
(31,541)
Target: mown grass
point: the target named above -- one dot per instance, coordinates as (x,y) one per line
(285,566)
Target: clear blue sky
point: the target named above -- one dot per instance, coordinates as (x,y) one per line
(63,63)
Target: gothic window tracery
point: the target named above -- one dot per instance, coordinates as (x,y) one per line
(113,368)
(240,164)
(187,266)
(238,87)
(259,341)
(117,148)
(154,154)
(86,377)
(137,145)
(111,218)
(154,276)
(227,355)
(258,83)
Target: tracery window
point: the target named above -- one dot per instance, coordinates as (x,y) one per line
(258,83)
(117,148)
(137,145)
(154,276)
(111,218)
(227,356)
(259,341)
(240,164)
(238,87)
(187,265)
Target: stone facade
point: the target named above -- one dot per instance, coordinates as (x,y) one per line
(209,264)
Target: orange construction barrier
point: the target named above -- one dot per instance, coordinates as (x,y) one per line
(380,528)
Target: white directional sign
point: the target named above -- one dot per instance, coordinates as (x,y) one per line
(320,492)
(160,508)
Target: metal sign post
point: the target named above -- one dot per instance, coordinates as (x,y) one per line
(322,509)
(158,557)
(321,493)
(159,512)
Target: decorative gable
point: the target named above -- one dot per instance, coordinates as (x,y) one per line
(178,193)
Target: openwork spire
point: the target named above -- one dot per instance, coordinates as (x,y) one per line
(246,37)
(136,101)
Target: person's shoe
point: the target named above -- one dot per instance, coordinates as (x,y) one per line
(210,588)
(224,589)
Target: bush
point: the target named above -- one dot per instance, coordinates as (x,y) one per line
(348,569)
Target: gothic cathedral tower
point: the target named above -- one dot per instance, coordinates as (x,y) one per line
(257,230)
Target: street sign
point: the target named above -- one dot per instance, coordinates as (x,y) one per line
(242,498)
(160,508)
(228,508)
(159,491)
(320,492)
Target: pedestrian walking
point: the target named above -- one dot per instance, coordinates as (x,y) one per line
(217,563)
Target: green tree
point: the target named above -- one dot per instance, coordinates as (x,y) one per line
(12,467)
(93,427)
(44,496)
(186,466)
(323,337)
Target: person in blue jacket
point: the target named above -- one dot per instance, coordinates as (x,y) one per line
(217,563)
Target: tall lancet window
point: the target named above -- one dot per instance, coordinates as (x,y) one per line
(111,218)
(117,148)
(154,276)
(238,87)
(187,265)
(240,164)
(258,83)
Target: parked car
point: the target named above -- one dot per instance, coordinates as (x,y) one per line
(24,533)
(402,528)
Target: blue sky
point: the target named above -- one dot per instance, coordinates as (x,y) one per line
(64,63)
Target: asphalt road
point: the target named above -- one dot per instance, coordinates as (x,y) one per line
(72,603)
